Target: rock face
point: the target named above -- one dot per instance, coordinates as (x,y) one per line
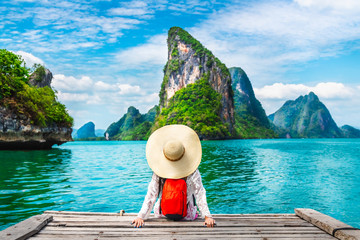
(41,78)
(86,131)
(350,132)
(188,62)
(306,117)
(17,132)
(133,125)
(250,117)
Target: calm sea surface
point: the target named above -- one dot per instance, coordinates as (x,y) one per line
(240,176)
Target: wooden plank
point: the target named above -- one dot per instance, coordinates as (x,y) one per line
(182,225)
(26,228)
(246,228)
(328,224)
(194,236)
(131,218)
(152,215)
(85,213)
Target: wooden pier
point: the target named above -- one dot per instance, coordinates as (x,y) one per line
(304,224)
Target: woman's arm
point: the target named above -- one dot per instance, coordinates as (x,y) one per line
(149,201)
(200,196)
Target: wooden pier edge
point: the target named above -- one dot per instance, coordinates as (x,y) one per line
(328,224)
(27,228)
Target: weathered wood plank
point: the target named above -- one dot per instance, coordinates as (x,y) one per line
(131,218)
(135,214)
(195,236)
(193,229)
(26,228)
(328,224)
(156,223)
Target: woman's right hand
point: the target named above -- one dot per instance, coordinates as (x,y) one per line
(138,222)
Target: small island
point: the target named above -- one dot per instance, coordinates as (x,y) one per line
(31,117)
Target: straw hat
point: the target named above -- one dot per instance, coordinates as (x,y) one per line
(173,151)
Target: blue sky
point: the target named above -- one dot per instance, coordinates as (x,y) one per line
(108,55)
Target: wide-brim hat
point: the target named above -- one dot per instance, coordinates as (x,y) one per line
(173,151)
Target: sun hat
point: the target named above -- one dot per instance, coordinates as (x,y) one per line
(173,151)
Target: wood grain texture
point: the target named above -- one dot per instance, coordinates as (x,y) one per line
(26,228)
(100,226)
(328,224)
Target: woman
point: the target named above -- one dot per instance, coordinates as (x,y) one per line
(174,152)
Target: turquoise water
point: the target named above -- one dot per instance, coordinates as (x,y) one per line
(240,176)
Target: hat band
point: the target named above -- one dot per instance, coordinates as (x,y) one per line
(174,159)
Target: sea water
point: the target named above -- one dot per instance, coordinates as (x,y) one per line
(240,176)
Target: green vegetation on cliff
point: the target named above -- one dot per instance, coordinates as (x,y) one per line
(199,49)
(197,106)
(305,117)
(133,125)
(203,101)
(40,105)
(250,118)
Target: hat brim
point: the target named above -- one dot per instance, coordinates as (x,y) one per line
(181,168)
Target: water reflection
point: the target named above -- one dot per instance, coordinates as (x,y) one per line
(28,181)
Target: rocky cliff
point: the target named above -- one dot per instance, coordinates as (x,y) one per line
(41,77)
(350,132)
(250,117)
(17,132)
(86,131)
(133,125)
(30,115)
(210,96)
(305,117)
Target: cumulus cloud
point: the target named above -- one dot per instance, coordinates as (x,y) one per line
(153,52)
(29,59)
(127,89)
(326,90)
(334,4)
(72,84)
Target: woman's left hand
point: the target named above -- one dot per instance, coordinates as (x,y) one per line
(209,222)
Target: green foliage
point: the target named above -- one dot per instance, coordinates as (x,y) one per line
(174,65)
(199,49)
(197,106)
(247,126)
(13,73)
(175,51)
(38,104)
(39,72)
(41,106)
(133,125)
(140,132)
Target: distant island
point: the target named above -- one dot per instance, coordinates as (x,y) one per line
(30,115)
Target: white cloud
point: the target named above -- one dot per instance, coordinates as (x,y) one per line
(73,97)
(72,84)
(29,59)
(154,52)
(102,86)
(127,89)
(334,4)
(325,90)
(129,11)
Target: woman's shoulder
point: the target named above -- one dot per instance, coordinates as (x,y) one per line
(195,174)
